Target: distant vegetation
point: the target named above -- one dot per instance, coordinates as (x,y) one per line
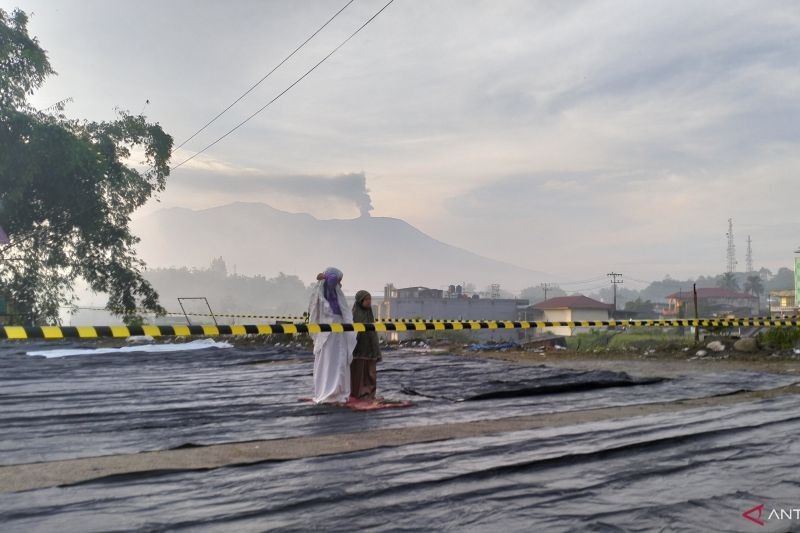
(536,294)
(230,293)
(641,300)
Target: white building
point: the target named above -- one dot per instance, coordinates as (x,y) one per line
(568,309)
(426,304)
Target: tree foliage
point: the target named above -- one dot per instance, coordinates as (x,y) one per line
(231,293)
(783,280)
(644,308)
(754,285)
(67,190)
(536,294)
(728,281)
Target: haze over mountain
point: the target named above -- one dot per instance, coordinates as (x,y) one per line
(371,251)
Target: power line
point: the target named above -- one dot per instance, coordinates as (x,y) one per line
(639,280)
(309,71)
(590,289)
(581,282)
(248,91)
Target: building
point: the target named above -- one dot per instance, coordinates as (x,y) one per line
(782,303)
(417,292)
(712,301)
(568,309)
(426,304)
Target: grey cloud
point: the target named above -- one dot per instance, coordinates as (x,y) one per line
(521,196)
(346,188)
(575,110)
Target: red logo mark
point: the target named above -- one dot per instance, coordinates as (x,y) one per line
(754,514)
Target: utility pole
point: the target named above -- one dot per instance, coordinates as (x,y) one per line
(696,316)
(616,279)
(545,287)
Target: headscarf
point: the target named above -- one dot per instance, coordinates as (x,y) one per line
(367,346)
(360,314)
(331,279)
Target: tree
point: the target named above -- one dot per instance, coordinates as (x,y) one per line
(606,294)
(657,291)
(536,294)
(754,285)
(728,281)
(282,294)
(644,308)
(67,190)
(219,267)
(783,279)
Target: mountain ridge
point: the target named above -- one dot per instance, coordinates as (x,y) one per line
(260,239)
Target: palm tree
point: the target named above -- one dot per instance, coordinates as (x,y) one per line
(754,286)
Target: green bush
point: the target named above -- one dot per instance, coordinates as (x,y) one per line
(780,337)
(593,340)
(628,340)
(641,341)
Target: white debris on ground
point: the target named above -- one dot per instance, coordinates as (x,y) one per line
(716,346)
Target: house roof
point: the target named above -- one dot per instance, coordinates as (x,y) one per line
(710,292)
(788,292)
(572,302)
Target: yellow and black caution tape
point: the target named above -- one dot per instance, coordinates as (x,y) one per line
(223,315)
(94,332)
(431,320)
(228,315)
(304,317)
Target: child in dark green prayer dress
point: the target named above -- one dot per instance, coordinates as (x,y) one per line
(367,353)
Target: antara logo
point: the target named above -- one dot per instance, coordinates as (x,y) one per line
(756,513)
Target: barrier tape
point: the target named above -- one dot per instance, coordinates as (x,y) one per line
(224,315)
(178,313)
(380,320)
(95,332)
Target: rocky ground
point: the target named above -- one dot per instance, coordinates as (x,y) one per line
(654,361)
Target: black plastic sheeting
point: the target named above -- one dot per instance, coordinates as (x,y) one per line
(500,381)
(690,471)
(694,470)
(91,405)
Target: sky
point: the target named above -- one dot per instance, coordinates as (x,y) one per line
(575,138)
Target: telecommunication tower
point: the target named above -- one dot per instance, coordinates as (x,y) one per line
(731,248)
(749,259)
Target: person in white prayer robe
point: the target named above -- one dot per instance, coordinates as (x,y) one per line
(333,352)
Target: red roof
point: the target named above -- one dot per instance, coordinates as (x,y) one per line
(572,302)
(711,292)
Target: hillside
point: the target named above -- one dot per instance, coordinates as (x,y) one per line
(371,251)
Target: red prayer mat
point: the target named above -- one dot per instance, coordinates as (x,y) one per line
(366,405)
